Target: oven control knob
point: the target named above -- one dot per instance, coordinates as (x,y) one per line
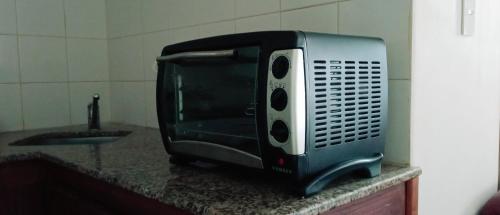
(280,67)
(279,99)
(279,131)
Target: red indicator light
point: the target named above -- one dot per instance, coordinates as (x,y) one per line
(281,161)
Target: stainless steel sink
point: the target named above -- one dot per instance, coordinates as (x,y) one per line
(72,138)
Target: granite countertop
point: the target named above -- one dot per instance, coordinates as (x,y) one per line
(139,163)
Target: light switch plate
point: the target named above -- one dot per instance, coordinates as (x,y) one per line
(468,17)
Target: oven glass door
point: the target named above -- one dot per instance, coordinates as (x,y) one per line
(211,98)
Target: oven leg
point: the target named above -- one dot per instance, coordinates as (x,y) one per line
(371,166)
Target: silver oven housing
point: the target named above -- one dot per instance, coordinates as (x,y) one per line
(294,114)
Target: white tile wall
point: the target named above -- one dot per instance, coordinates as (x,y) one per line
(256,7)
(123,17)
(259,23)
(9,62)
(43,17)
(81,95)
(155,14)
(316,19)
(85,18)
(10,107)
(181,13)
(125,59)
(218,28)
(398,130)
(43,59)
(153,45)
(45,105)
(8,17)
(213,10)
(151,116)
(49,51)
(87,60)
(128,102)
(185,34)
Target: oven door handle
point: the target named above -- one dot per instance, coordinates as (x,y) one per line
(198,55)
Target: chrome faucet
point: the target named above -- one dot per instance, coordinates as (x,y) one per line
(93,113)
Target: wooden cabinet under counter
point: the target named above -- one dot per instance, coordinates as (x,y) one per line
(36,187)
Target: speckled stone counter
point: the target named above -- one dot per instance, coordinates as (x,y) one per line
(139,163)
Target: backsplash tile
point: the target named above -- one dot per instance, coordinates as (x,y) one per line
(85,18)
(255,7)
(87,60)
(181,13)
(398,131)
(258,23)
(185,34)
(151,116)
(8,17)
(125,59)
(123,17)
(128,102)
(40,17)
(155,14)
(43,59)
(45,105)
(10,107)
(46,46)
(9,62)
(213,10)
(215,29)
(317,19)
(153,44)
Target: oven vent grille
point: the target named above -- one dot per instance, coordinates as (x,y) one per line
(347,101)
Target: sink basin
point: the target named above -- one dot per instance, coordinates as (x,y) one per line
(72,138)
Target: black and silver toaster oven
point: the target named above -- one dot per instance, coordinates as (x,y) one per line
(307,106)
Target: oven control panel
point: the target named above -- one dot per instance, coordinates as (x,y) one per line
(286,102)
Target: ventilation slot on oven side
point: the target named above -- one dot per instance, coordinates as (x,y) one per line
(347,101)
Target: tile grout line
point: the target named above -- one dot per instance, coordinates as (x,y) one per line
(141,16)
(338,17)
(23,123)
(143,64)
(108,39)
(234,17)
(410,39)
(67,61)
(280,14)
(51,36)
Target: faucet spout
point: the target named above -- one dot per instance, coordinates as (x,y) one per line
(93,113)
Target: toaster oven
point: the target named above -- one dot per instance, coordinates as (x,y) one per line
(306,106)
